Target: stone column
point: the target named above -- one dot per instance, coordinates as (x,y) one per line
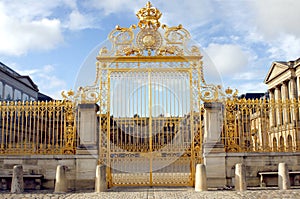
(283,177)
(200,178)
(298,87)
(61,181)
(88,137)
(272,110)
(213,149)
(100,182)
(278,112)
(240,177)
(293,97)
(17,184)
(284,97)
(298,93)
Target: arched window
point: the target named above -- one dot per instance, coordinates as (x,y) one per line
(281,144)
(274,144)
(289,143)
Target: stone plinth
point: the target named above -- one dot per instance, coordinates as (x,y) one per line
(17,184)
(100,182)
(200,178)
(240,177)
(283,176)
(61,182)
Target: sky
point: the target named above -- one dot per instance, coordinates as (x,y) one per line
(50,40)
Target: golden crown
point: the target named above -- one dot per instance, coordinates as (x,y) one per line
(149,16)
(228,91)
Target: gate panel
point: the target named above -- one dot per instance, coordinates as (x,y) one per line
(171,157)
(150,131)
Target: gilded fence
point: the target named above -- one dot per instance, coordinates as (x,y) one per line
(261,125)
(37,127)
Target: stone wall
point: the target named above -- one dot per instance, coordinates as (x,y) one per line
(82,168)
(80,173)
(258,162)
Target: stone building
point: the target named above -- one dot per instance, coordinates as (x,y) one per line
(14,86)
(283,81)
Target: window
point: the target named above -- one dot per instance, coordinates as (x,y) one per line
(8,93)
(17,95)
(25,97)
(1,90)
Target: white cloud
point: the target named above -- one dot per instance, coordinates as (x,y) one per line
(38,25)
(250,87)
(274,17)
(228,58)
(46,80)
(189,13)
(78,21)
(18,35)
(114,6)
(192,13)
(286,46)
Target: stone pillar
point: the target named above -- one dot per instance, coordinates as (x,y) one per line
(298,87)
(283,177)
(61,181)
(213,149)
(277,110)
(88,129)
(200,178)
(272,110)
(292,88)
(100,182)
(17,184)
(285,97)
(293,96)
(240,177)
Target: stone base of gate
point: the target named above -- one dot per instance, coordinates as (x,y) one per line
(85,171)
(215,161)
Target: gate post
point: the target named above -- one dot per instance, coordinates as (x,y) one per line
(88,138)
(87,148)
(213,149)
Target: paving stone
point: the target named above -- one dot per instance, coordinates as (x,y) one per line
(158,192)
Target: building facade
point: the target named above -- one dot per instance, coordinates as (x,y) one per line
(14,86)
(283,81)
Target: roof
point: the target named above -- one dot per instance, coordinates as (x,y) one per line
(24,79)
(254,95)
(279,67)
(43,97)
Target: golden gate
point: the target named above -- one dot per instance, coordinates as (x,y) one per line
(149,86)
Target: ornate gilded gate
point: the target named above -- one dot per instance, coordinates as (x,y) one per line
(149,86)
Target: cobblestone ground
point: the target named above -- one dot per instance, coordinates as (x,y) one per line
(165,193)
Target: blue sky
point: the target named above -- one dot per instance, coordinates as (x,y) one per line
(49,40)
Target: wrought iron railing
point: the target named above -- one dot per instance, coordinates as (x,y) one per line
(261,125)
(37,127)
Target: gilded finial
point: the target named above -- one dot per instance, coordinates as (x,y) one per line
(228,91)
(149,17)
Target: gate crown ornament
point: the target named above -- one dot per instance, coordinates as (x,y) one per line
(149,40)
(149,17)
